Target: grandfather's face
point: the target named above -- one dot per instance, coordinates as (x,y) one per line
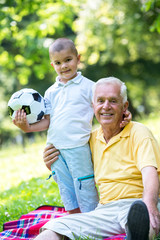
(108,105)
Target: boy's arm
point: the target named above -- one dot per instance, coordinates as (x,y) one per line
(21,122)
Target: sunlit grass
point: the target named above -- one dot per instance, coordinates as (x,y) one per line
(23,184)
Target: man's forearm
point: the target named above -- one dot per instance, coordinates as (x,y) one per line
(150,196)
(151,185)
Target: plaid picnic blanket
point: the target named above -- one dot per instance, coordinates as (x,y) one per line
(28,225)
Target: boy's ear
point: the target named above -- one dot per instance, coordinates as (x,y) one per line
(79,57)
(52,65)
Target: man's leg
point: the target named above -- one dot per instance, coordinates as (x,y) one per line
(138,222)
(98,224)
(49,235)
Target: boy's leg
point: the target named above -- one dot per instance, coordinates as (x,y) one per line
(49,235)
(76,210)
(80,165)
(62,176)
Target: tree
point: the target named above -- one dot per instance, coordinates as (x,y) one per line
(119,38)
(27,29)
(115,35)
(152,10)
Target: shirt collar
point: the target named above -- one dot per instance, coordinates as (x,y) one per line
(75,80)
(124,133)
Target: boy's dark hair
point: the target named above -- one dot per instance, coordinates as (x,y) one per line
(61,44)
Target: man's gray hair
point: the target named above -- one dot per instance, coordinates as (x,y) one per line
(112,80)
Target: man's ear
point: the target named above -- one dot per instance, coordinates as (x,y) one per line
(52,65)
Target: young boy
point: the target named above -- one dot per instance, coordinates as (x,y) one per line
(68,118)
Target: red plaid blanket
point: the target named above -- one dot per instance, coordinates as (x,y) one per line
(27,226)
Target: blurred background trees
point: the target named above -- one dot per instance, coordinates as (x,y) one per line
(119,38)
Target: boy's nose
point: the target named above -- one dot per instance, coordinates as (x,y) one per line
(64,65)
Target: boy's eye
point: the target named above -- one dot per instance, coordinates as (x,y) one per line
(57,63)
(68,59)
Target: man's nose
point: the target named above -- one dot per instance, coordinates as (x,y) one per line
(106,105)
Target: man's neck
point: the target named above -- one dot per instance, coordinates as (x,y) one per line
(108,133)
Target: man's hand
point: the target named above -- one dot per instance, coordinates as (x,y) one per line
(50,155)
(20,120)
(127,118)
(150,195)
(154,216)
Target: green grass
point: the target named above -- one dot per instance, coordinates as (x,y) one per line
(23,184)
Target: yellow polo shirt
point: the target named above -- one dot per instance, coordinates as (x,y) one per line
(118,164)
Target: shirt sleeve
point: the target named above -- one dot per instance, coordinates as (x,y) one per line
(148,154)
(47,103)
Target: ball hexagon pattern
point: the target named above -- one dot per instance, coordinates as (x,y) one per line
(29,100)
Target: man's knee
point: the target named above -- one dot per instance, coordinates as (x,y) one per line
(49,235)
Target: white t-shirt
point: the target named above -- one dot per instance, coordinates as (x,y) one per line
(70,108)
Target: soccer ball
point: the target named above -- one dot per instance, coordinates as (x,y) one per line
(29,100)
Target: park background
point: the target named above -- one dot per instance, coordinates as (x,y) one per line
(118,38)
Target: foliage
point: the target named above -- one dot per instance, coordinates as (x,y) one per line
(27,29)
(119,34)
(119,38)
(152,9)
(114,39)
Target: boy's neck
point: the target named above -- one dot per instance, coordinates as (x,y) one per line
(65,80)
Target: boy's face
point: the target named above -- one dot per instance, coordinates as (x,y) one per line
(65,63)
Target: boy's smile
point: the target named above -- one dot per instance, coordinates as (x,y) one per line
(65,63)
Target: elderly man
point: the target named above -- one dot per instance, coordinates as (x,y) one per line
(126,166)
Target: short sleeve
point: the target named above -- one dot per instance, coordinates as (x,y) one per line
(148,154)
(48,106)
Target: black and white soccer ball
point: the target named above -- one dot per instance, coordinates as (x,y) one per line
(29,100)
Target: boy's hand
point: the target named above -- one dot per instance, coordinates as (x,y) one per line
(20,120)
(127,118)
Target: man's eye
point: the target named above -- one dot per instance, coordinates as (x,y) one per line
(100,101)
(113,101)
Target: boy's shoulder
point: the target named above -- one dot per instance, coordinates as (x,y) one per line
(88,80)
(53,86)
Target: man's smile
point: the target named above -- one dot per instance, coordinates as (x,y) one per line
(107,114)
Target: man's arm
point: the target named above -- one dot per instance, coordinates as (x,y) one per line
(50,155)
(21,122)
(150,195)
